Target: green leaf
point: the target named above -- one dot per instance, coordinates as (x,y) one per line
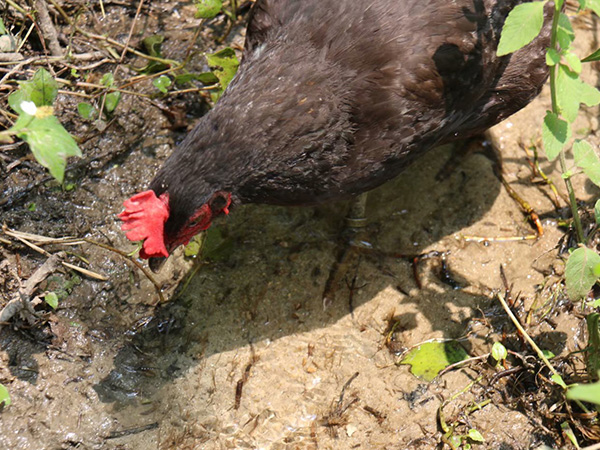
(499,352)
(593,57)
(555,134)
(429,358)
(548,354)
(573,62)
(207,9)
(522,25)
(571,91)
(596,270)
(597,212)
(50,143)
(475,435)
(587,158)
(564,31)
(594,5)
(552,57)
(86,110)
(15,99)
(42,90)
(590,96)
(225,65)
(585,392)
(567,93)
(52,299)
(206,78)
(112,100)
(192,249)
(579,272)
(153,45)
(558,380)
(108,80)
(568,431)
(4,396)
(162,83)
(2,27)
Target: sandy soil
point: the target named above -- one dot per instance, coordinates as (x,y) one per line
(243,354)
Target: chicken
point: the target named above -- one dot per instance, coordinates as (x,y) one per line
(332,99)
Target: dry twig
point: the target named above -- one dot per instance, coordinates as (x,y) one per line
(22,300)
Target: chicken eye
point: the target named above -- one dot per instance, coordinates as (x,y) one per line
(218,202)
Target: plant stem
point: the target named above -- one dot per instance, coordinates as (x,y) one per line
(563,160)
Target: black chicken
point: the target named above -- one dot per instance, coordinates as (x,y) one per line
(332,99)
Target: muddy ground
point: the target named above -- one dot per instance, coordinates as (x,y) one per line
(242,352)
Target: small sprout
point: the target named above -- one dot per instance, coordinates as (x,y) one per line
(548,354)
(568,431)
(32,207)
(475,435)
(499,352)
(86,110)
(52,299)
(108,80)
(162,83)
(2,27)
(112,100)
(597,212)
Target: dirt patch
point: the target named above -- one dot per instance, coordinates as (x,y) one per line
(243,354)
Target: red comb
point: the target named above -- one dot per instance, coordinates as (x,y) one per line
(144,219)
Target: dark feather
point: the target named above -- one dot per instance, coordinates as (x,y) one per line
(333,98)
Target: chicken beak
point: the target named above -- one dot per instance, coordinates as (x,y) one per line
(155,263)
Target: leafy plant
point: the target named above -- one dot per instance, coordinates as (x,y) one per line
(499,353)
(568,92)
(110,100)
(48,140)
(113,97)
(225,65)
(162,83)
